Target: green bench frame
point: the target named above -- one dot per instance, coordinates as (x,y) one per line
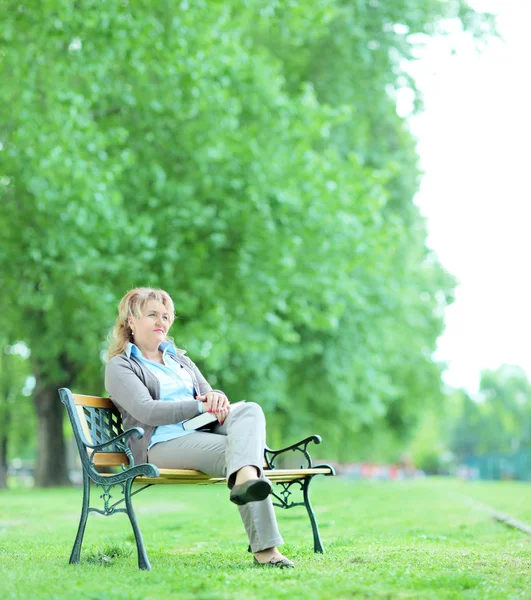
(102,442)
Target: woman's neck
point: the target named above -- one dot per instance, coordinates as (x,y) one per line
(152,354)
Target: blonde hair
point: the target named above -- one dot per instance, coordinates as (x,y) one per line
(132,305)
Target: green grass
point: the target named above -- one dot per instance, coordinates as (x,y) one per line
(383,540)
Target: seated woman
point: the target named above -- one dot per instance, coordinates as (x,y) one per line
(156,387)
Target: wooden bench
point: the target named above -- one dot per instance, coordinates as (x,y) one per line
(102,442)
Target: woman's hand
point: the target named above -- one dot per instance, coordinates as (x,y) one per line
(216,403)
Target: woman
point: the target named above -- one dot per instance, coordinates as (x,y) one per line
(155,386)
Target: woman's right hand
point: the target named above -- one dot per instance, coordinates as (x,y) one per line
(216,403)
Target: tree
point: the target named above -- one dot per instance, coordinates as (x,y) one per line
(221,151)
(506,409)
(497,420)
(16,415)
(464,424)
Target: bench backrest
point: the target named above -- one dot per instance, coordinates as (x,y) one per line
(100,421)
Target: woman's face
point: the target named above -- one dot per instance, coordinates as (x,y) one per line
(151,328)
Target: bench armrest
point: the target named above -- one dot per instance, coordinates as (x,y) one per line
(271,455)
(120,441)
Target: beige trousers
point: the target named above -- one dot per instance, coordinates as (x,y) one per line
(239,442)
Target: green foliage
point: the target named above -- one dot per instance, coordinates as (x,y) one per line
(506,394)
(465,424)
(246,157)
(496,421)
(17,419)
(427,449)
(500,419)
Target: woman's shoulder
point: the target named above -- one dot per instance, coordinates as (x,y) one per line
(119,360)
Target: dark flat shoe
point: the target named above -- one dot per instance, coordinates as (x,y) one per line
(283,563)
(250,491)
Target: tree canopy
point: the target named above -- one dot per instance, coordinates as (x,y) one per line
(468,428)
(247,158)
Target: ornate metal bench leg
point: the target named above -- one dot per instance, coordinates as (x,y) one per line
(143,561)
(76,550)
(317,544)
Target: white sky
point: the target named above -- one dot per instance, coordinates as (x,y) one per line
(474,142)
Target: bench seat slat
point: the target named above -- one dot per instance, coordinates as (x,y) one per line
(116,459)
(190,476)
(182,476)
(176,473)
(163,481)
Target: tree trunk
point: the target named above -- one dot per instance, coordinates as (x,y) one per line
(51,469)
(3,461)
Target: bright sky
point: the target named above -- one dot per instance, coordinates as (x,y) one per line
(475,147)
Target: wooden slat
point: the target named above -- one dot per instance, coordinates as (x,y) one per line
(116,459)
(189,476)
(176,473)
(190,473)
(96,401)
(163,481)
(110,459)
(285,472)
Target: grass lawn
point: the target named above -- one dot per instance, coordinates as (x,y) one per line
(411,539)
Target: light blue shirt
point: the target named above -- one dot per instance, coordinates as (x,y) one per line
(175,385)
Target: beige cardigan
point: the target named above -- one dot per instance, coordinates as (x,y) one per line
(135,391)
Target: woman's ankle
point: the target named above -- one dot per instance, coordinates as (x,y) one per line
(265,556)
(269,552)
(245,474)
